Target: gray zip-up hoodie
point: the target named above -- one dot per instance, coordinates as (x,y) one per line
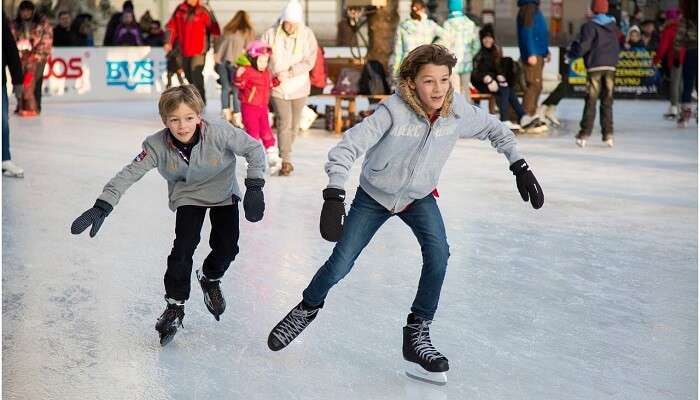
(210,178)
(405,153)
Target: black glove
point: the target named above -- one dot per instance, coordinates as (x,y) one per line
(528,186)
(254,200)
(332,214)
(94,216)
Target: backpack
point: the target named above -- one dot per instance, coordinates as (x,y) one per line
(373,79)
(347,82)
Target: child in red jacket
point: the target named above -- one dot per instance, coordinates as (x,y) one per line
(254,82)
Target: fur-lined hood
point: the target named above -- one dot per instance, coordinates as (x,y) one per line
(410,97)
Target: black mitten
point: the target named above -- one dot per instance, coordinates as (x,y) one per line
(94,216)
(332,214)
(528,186)
(254,200)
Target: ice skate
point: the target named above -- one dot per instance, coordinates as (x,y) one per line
(424,362)
(609,142)
(685,116)
(533,125)
(580,142)
(549,114)
(227,114)
(274,162)
(237,120)
(213,298)
(513,126)
(672,113)
(291,326)
(170,320)
(10,169)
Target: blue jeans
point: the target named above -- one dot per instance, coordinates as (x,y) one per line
(364,219)
(506,97)
(5,125)
(228,90)
(690,74)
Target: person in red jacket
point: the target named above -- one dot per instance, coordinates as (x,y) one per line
(190,27)
(672,60)
(254,82)
(318,73)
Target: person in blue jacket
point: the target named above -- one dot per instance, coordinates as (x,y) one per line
(533,41)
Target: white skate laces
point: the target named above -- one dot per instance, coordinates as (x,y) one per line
(420,339)
(293,324)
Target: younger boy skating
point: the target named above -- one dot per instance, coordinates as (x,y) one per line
(198,160)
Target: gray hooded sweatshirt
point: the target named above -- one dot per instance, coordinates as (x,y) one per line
(208,180)
(405,152)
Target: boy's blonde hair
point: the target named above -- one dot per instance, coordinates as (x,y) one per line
(171,99)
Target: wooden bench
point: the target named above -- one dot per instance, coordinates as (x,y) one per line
(338,121)
(477,98)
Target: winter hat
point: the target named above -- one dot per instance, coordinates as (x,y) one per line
(633,28)
(257,48)
(293,12)
(455,8)
(487,30)
(673,14)
(599,6)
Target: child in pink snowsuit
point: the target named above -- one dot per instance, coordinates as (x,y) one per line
(254,82)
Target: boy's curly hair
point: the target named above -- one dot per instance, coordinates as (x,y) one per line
(425,54)
(171,99)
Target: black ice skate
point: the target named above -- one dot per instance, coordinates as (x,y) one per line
(169,321)
(291,326)
(213,298)
(425,362)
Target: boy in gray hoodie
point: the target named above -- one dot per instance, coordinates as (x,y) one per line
(198,160)
(406,142)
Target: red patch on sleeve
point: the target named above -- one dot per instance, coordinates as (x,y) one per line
(141,155)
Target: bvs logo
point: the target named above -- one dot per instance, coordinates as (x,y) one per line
(130,74)
(58,67)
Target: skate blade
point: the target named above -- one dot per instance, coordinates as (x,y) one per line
(415,371)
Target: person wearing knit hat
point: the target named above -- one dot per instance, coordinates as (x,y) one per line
(489,76)
(598,45)
(294,49)
(599,6)
(634,39)
(293,12)
(460,36)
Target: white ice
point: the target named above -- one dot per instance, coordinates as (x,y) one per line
(592,297)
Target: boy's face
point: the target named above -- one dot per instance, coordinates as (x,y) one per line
(262,62)
(431,84)
(183,122)
(635,36)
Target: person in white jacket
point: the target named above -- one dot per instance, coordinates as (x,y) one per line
(294,49)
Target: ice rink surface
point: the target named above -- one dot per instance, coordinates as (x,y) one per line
(592,297)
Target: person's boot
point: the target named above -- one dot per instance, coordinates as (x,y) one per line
(213,297)
(237,120)
(425,362)
(10,169)
(291,326)
(170,320)
(286,169)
